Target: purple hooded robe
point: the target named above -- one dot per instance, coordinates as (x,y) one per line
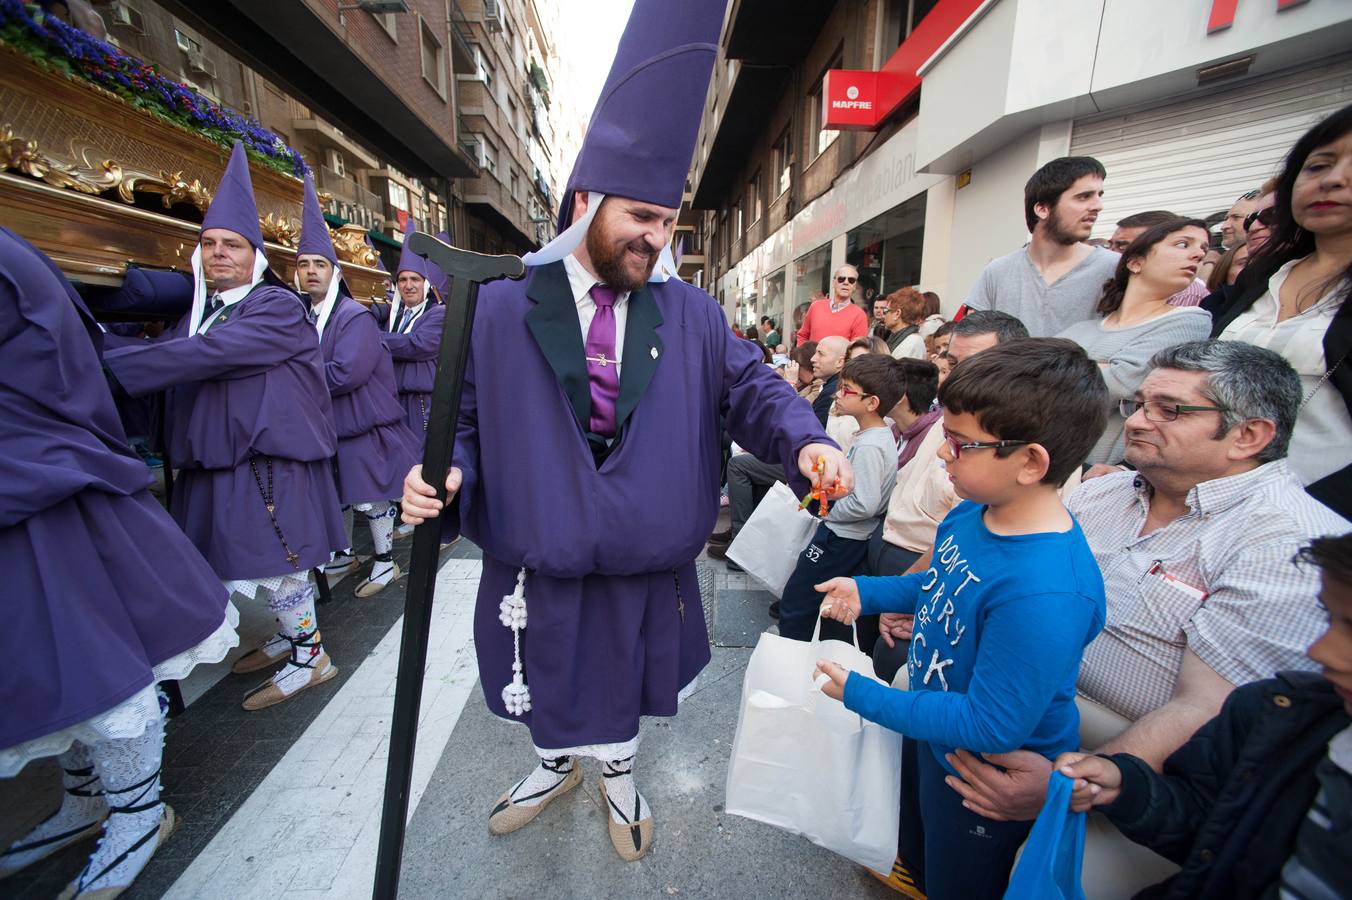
(415,362)
(615,626)
(375,447)
(249,417)
(100,585)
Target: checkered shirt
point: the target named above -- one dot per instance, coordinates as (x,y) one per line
(1236,543)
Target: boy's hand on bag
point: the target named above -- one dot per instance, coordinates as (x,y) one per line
(893,627)
(841,601)
(833,684)
(420,499)
(1098,781)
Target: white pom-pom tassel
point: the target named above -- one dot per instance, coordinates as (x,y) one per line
(512,613)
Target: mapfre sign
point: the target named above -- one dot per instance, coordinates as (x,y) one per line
(850,99)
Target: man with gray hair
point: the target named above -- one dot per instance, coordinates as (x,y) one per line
(1196,548)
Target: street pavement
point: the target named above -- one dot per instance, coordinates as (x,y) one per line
(289,804)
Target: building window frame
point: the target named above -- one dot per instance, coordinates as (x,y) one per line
(781,162)
(755,199)
(427,39)
(822,138)
(388,23)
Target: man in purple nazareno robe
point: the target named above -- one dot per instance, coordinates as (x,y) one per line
(587,456)
(251,431)
(412,334)
(375,447)
(104,595)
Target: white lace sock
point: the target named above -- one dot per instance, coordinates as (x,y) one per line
(82,805)
(380,519)
(130,770)
(301,627)
(530,790)
(627,805)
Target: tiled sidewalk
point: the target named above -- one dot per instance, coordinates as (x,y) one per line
(325,793)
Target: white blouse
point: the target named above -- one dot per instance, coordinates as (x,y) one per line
(1322,440)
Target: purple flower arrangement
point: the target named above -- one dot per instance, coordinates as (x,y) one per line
(49,40)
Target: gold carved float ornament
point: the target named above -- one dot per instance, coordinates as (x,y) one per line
(93,208)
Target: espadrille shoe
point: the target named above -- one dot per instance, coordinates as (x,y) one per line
(507,816)
(290,681)
(630,840)
(73,891)
(383,573)
(271,653)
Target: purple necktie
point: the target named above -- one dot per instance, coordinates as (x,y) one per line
(601,368)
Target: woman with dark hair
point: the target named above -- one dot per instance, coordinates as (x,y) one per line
(1292,299)
(1137,320)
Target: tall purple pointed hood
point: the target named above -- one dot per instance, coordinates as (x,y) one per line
(234,208)
(408,260)
(314,231)
(642,133)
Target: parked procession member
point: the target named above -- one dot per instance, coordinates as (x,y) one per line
(375,447)
(251,431)
(412,335)
(1055,281)
(93,616)
(586,463)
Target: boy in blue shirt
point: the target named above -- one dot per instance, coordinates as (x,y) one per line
(1002,616)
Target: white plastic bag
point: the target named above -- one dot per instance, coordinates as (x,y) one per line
(769,543)
(802,762)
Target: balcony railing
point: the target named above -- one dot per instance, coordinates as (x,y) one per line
(345,189)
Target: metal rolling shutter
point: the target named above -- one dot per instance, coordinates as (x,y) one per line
(1195,156)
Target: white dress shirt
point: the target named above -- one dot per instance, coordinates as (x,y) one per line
(581,281)
(230,298)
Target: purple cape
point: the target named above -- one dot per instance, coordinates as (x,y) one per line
(415,362)
(90,604)
(375,447)
(622,537)
(248,397)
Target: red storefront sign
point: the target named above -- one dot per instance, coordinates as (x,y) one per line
(897,82)
(850,99)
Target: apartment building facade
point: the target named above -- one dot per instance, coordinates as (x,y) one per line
(896,135)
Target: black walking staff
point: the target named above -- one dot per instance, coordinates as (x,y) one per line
(466,271)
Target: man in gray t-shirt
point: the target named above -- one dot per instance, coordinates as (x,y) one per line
(1057,279)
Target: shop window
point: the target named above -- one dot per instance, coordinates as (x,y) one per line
(755,198)
(811,280)
(433,59)
(887,249)
(781,161)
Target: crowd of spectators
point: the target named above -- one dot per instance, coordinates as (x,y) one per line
(1211,485)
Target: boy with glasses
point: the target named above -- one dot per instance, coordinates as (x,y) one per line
(870,385)
(838,314)
(1003,614)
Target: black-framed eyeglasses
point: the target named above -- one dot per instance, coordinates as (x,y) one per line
(956,446)
(846,279)
(1160,411)
(1266,217)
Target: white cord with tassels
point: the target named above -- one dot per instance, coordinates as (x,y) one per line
(516,696)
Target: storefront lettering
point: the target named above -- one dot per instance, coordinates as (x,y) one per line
(1223,13)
